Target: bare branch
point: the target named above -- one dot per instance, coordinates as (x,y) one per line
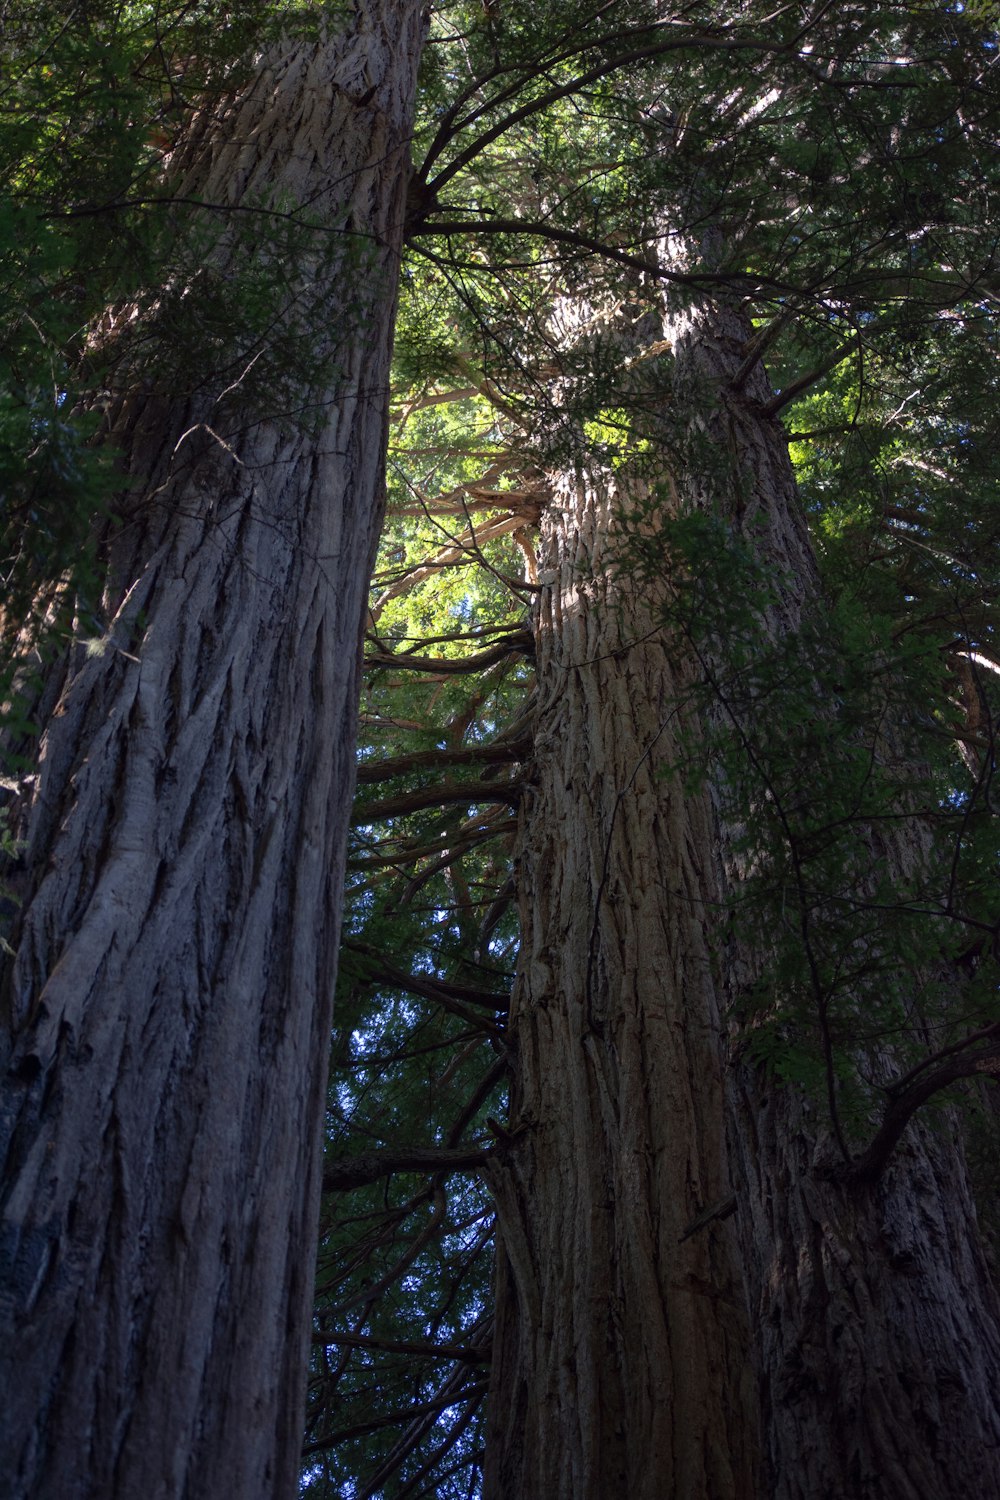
(497,752)
(969,1059)
(520,641)
(508,792)
(472,1354)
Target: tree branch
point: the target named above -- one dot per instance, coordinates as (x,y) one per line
(648,266)
(371,1166)
(431,988)
(508,792)
(393,1418)
(973,1059)
(466,1355)
(517,641)
(496,753)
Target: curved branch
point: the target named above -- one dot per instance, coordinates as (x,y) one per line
(747,281)
(439,760)
(603,69)
(520,641)
(394,1418)
(474,1354)
(431,989)
(975,1058)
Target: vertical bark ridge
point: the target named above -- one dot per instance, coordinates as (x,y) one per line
(876,1324)
(873,1312)
(619,1355)
(873,1322)
(166,1018)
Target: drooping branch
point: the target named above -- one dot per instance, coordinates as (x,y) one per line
(393,1418)
(974,1057)
(452,666)
(463,550)
(646,263)
(473,1354)
(417,1430)
(473,831)
(431,988)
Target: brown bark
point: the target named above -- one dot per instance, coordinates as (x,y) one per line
(874,1315)
(874,1333)
(165,1021)
(619,1351)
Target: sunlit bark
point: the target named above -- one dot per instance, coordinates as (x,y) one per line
(621,1344)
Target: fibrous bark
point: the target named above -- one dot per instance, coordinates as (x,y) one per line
(864,1311)
(166,1016)
(621,1346)
(876,1325)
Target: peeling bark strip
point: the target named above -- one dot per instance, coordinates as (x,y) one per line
(165,1024)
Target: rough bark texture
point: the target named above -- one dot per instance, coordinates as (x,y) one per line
(619,1352)
(619,1355)
(875,1319)
(165,1023)
(876,1323)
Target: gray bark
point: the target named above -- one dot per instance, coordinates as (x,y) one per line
(876,1324)
(875,1319)
(165,1021)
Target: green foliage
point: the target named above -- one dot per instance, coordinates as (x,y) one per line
(426,898)
(867,847)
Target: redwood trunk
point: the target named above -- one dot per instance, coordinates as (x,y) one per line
(619,1361)
(620,1351)
(166,1018)
(875,1319)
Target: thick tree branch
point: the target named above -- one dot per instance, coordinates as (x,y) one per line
(972,1058)
(519,641)
(802,383)
(431,988)
(496,753)
(436,796)
(371,1166)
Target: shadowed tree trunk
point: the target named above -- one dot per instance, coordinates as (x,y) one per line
(620,1345)
(166,1016)
(876,1324)
(620,1356)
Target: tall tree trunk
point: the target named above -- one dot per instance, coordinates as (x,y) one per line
(620,1346)
(166,1018)
(620,1350)
(876,1323)
(875,1320)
